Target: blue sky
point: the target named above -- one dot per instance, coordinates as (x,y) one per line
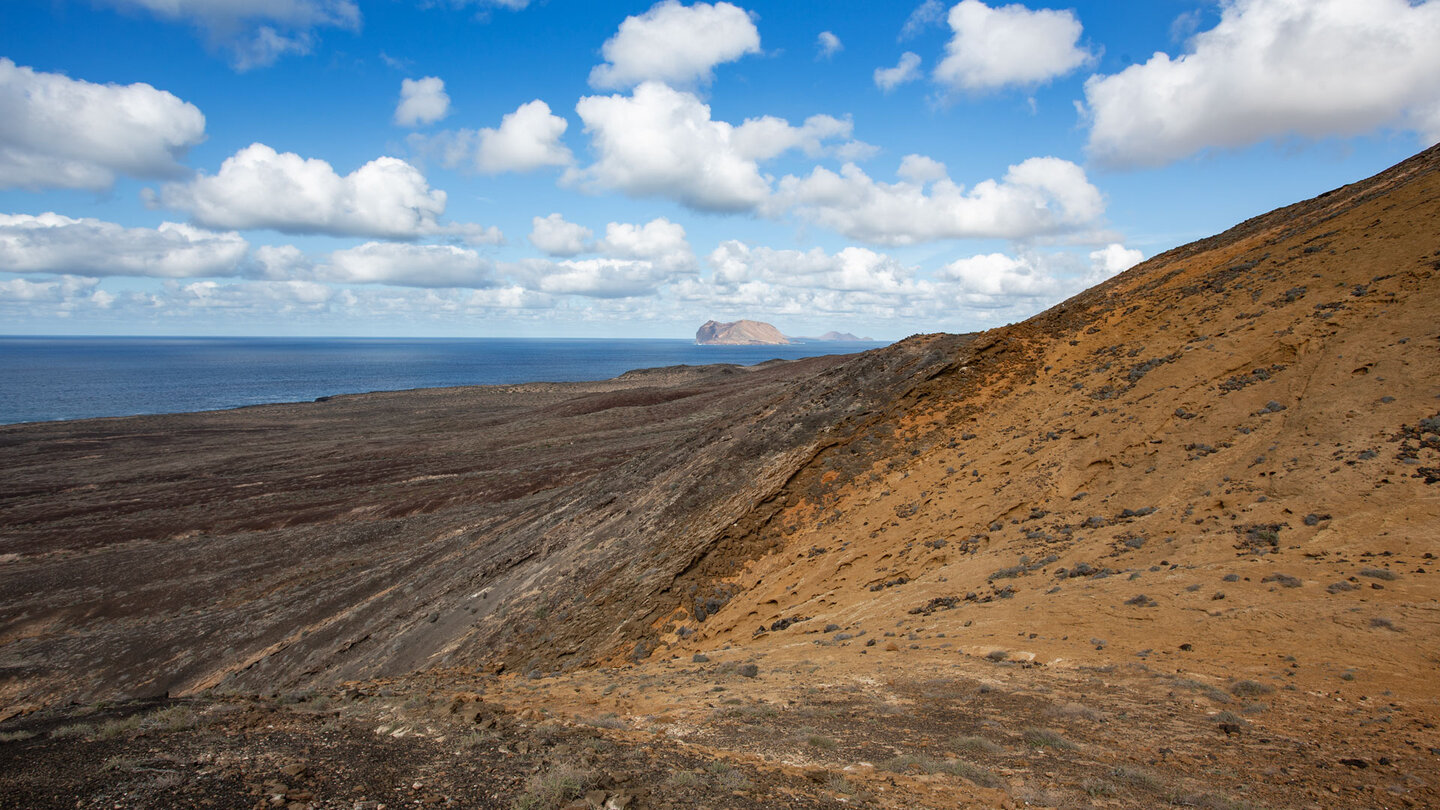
(552,168)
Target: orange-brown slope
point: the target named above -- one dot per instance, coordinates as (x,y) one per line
(1224,460)
(1172,541)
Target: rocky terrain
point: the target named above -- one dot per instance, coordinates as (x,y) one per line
(1170,543)
(739,333)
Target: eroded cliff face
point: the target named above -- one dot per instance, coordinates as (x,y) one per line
(739,333)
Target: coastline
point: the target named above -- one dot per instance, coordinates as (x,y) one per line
(66,378)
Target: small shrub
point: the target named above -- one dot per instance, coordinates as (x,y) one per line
(1258,538)
(727,777)
(1379,573)
(123,764)
(1340,587)
(606,720)
(1075,710)
(839,784)
(820,741)
(683,779)
(1229,717)
(554,788)
(123,726)
(1207,801)
(1136,778)
(1383,623)
(1217,695)
(73,730)
(997,655)
(904,763)
(174,718)
(1285,580)
(1098,788)
(15,736)
(974,773)
(1242,689)
(975,745)
(476,739)
(1045,738)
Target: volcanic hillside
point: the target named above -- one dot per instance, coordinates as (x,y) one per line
(1233,447)
(1263,404)
(1200,498)
(1173,540)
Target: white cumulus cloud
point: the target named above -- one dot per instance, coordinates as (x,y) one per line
(921,169)
(527,139)
(827,45)
(635,260)
(1037,197)
(556,237)
(908,70)
(661,141)
(53,243)
(1274,69)
(852,269)
(22,299)
(594,278)
(675,44)
(928,13)
(422,101)
(998,276)
(280,263)
(1113,259)
(258,187)
(272,298)
(408,266)
(659,241)
(1031,281)
(58,132)
(1010,45)
(256,32)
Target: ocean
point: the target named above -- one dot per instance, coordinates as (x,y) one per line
(49,378)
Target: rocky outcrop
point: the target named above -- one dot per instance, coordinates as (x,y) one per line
(739,333)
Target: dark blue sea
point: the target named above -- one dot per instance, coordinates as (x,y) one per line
(49,378)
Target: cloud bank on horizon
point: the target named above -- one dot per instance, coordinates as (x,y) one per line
(282,168)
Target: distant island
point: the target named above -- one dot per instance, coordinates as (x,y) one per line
(759,333)
(844,337)
(739,333)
